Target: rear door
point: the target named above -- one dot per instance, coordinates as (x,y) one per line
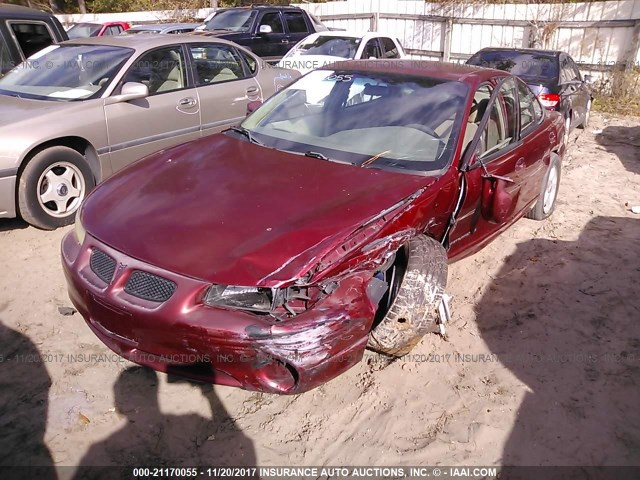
(170,115)
(494,169)
(225,84)
(297,27)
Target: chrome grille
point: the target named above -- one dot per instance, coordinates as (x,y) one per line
(149,287)
(102,265)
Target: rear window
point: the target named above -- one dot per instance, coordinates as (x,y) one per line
(523,64)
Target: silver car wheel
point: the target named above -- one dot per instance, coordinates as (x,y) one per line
(61,188)
(550,191)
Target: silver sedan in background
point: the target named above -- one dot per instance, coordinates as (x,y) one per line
(75,113)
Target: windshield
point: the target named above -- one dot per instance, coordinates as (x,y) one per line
(344,47)
(380,120)
(65,72)
(523,64)
(135,31)
(234,20)
(84,30)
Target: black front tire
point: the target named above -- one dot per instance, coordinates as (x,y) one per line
(413,311)
(31,206)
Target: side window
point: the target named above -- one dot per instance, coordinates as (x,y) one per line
(216,64)
(530,109)
(32,36)
(251,62)
(273,20)
(390,49)
(161,70)
(500,129)
(566,72)
(295,22)
(107,31)
(115,30)
(6,63)
(372,49)
(478,109)
(508,99)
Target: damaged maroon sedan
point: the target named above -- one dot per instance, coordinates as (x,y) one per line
(268,257)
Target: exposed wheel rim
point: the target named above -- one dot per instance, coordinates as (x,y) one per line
(550,190)
(567,126)
(60,189)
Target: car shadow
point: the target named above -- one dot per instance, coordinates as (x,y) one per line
(562,316)
(8,224)
(623,142)
(24,399)
(151,437)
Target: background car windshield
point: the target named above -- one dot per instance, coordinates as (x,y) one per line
(69,72)
(134,31)
(84,30)
(381,120)
(344,47)
(235,20)
(523,64)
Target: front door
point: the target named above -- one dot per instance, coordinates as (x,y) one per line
(272,45)
(170,115)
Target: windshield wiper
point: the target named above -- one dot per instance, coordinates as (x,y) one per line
(374,158)
(246,133)
(315,155)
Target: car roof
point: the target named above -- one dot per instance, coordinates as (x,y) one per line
(341,33)
(263,7)
(442,70)
(540,51)
(7,10)
(145,42)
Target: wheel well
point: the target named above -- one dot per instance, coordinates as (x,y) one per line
(79,144)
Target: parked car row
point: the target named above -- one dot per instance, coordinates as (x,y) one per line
(283,222)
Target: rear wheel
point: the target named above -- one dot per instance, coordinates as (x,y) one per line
(52,186)
(546,203)
(416,281)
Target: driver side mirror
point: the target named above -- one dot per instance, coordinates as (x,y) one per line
(265,29)
(130,91)
(588,79)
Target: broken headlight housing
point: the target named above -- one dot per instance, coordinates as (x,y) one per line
(243,298)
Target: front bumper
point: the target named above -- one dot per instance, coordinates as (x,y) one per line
(8,196)
(218,345)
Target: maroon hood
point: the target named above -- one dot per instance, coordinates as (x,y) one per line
(228,211)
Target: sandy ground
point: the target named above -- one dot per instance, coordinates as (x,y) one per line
(541,365)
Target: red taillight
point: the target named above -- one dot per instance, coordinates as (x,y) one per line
(549,100)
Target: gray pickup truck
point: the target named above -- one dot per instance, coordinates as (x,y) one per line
(23,32)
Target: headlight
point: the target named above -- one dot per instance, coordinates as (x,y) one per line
(244,298)
(79,228)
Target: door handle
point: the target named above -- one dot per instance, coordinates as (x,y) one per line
(187,102)
(252,90)
(284,40)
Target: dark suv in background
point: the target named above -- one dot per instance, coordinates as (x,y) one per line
(268,31)
(23,32)
(552,75)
